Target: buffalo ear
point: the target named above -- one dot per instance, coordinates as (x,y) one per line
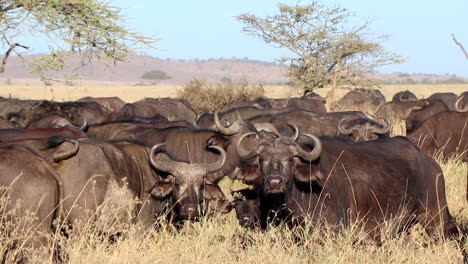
(162,190)
(66,150)
(249,173)
(308,173)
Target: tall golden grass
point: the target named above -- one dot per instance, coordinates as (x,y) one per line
(131,93)
(219,239)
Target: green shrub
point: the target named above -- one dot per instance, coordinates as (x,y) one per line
(208,98)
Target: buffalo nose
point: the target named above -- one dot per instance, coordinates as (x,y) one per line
(190,210)
(245,218)
(274,180)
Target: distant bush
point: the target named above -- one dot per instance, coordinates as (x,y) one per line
(208,98)
(453,80)
(155,76)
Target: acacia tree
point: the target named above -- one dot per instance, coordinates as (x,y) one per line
(330,46)
(90,28)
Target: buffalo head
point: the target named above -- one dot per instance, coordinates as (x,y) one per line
(363,129)
(247,205)
(187,183)
(278,157)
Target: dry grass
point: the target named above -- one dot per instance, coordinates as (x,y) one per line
(209,98)
(134,93)
(220,239)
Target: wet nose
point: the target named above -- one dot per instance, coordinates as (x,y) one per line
(274,182)
(245,218)
(190,210)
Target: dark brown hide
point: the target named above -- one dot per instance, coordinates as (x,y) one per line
(448,98)
(112,104)
(404,96)
(26,177)
(417,117)
(360,100)
(443,135)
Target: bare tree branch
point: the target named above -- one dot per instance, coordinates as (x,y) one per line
(460,45)
(7,54)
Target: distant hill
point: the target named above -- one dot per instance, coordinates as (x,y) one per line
(181,71)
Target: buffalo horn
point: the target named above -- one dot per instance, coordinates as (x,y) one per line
(228,131)
(67,153)
(458,107)
(214,167)
(312,155)
(385,128)
(342,130)
(242,152)
(166,166)
(296,131)
(84,126)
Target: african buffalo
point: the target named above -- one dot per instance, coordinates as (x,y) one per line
(399,110)
(206,120)
(404,96)
(336,182)
(172,109)
(189,145)
(363,129)
(76,112)
(247,206)
(448,98)
(15,134)
(31,192)
(360,100)
(418,116)
(186,182)
(112,104)
(13,105)
(443,134)
(260,102)
(309,122)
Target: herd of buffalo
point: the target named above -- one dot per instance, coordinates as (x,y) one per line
(300,161)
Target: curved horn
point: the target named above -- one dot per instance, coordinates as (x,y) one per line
(238,115)
(296,131)
(401,98)
(386,128)
(457,105)
(243,153)
(408,112)
(166,166)
(228,131)
(342,130)
(64,153)
(314,154)
(214,167)
(84,126)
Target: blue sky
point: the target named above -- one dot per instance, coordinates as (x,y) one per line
(420,30)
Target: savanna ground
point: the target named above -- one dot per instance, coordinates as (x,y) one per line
(220,239)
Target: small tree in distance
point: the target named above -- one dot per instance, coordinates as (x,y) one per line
(328,49)
(156,75)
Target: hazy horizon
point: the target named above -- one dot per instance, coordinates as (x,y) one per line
(419,30)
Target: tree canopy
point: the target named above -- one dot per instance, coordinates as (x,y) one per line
(330,45)
(91,28)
